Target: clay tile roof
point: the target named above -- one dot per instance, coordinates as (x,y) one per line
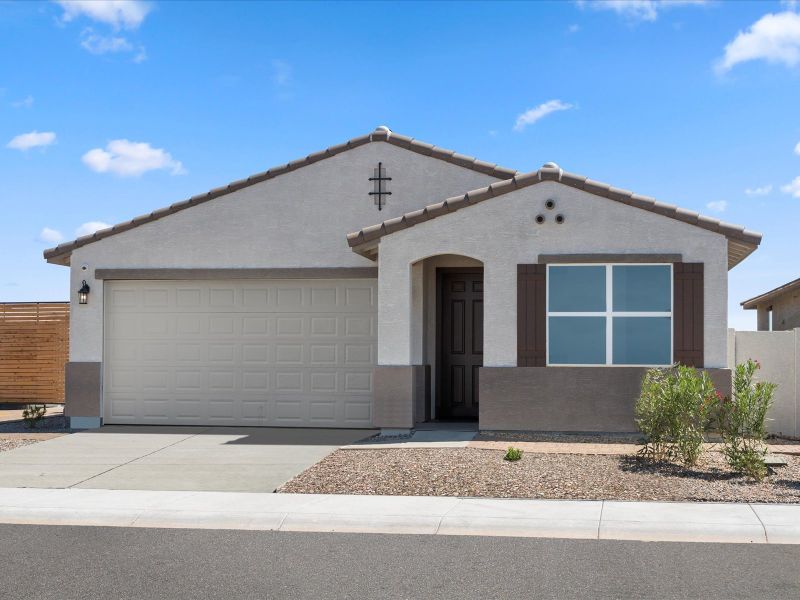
(61,253)
(741,242)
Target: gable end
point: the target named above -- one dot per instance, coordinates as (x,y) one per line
(61,253)
(741,242)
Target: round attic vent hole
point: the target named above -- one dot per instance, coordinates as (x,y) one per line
(559,219)
(550,204)
(540,219)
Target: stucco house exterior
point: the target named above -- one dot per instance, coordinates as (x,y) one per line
(778,309)
(385,282)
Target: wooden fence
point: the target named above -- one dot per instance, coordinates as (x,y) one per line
(34,347)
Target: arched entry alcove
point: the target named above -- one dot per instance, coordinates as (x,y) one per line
(447,335)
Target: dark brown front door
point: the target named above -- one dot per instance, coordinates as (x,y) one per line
(461,343)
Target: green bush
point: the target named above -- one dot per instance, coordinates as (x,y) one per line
(673,412)
(33,413)
(742,421)
(513,454)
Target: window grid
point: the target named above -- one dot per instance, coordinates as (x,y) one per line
(609,313)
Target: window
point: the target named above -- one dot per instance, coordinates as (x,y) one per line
(609,314)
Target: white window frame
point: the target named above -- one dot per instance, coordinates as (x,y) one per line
(608,314)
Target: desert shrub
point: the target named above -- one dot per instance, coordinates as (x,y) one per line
(513,454)
(673,412)
(33,413)
(742,421)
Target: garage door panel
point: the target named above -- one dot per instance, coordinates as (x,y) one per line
(284,353)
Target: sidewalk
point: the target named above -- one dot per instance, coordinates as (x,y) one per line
(607,520)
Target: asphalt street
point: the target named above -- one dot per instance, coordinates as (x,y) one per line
(60,562)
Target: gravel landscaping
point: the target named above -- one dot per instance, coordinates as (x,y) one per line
(56,423)
(15,434)
(11,443)
(483,473)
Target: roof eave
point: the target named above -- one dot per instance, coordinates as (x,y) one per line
(754,302)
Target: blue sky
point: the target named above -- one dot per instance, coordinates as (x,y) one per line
(109,110)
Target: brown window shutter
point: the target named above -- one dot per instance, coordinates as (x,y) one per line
(687,314)
(531,307)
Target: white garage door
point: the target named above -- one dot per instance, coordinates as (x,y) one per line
(266,352)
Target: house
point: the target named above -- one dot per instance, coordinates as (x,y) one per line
(778,309)
(384,282)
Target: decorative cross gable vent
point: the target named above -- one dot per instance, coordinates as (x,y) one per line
(379,190)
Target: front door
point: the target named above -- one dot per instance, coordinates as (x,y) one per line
(461,343)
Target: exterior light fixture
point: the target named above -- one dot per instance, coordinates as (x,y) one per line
(83,293)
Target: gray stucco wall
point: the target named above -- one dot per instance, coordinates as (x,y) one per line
(502,233)
(299,219)
(786,311)
(779,355)
(83,385)
(573,399)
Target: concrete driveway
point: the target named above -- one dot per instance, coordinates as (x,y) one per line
(243,459)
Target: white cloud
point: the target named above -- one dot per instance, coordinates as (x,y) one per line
(127,14)
(637,10)
(574,28)
(34,139)
(126,158)
(50,236)
(281,72)
(717,205)
(792,187)
(90,227)
(530,116)
(96,43)
(27,102)
(759,191)
(797,149)
(101,44)
(774,38)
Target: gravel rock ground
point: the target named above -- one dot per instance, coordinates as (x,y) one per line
(483,473)
(10,444)
(48,424)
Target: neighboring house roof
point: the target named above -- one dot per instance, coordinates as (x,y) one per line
(741,242)
(60,254)
(771,295)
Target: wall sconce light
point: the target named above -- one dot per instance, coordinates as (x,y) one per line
(83,293)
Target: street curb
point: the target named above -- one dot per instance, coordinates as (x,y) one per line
(423,515)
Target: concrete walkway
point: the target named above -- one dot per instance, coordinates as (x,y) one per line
(465,438)
(421,438)
(239,459)
(648,521)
